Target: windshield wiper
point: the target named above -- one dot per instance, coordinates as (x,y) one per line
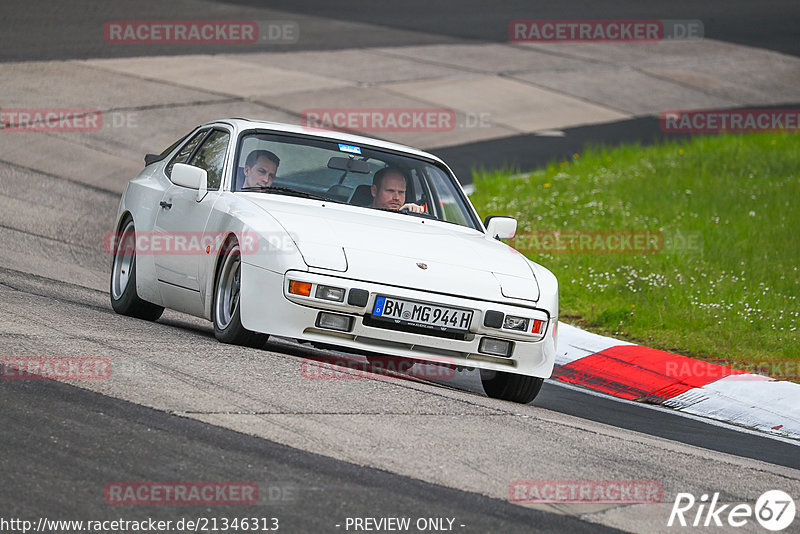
(289,192)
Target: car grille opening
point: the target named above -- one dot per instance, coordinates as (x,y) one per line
(386,325)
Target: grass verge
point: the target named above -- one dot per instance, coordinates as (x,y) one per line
(720,278)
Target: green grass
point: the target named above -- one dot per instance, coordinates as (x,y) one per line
(732,296)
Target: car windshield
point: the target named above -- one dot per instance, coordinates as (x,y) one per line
(350,174)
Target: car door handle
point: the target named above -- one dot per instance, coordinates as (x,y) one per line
(165,205)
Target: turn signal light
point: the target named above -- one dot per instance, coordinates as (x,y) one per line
(300,288)
(538,325)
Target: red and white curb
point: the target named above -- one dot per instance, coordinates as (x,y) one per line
(639,373)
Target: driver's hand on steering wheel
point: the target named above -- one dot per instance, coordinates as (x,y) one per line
(413,208)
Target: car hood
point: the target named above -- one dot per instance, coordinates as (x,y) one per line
(402,250)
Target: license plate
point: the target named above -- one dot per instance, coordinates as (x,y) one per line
(413,313)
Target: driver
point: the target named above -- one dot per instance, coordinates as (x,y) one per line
(260,168)
(389,191)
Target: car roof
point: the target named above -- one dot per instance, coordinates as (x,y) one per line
(246,124)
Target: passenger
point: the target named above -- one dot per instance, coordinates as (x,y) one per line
(389,191)
(260,168)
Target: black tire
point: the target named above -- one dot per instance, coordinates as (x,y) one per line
(511,387)
(122,289)
(225,310)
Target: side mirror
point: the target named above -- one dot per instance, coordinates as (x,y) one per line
(499,227)
(191,177)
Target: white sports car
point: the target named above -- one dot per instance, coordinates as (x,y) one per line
(334,239)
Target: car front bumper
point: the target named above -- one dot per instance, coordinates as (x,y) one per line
(268,307)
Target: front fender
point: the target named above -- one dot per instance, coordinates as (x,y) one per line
(548,297)
(263,242)
(140,200)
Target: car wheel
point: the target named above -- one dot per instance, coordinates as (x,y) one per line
(511,387)
(227,319)
(124,299)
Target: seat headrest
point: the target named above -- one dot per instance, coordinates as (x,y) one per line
(362,196)
(339,192)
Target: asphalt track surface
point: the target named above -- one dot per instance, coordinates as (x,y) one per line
(61,443)
(52,458)
(769,25)
(68,29)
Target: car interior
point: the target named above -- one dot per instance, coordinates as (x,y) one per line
(358,173)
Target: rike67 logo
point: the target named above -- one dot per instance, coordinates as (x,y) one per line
(774,510)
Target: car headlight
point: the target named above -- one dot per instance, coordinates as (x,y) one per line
(515,323)
(335,294)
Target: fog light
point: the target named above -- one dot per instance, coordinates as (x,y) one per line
(300,288)
(495,347)
(330,293)
(515,323)
(333,321)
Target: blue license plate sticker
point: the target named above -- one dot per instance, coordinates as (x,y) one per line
(380,303)
(350,148)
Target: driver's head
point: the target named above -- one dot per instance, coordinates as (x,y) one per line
(389,189)
(260,168)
